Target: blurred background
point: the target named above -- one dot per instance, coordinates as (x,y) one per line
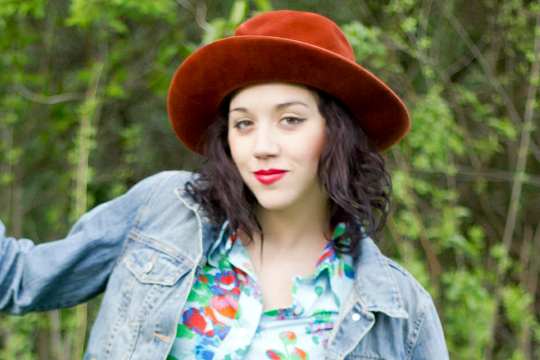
(83,87)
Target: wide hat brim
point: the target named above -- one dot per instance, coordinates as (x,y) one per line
(207,76)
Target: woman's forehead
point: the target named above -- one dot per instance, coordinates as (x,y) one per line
(273,92)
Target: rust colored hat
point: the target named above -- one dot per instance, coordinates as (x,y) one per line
(282,46)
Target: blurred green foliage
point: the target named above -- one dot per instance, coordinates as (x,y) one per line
(83,86)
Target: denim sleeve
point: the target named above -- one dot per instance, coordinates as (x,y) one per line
(430,343)
(66,272)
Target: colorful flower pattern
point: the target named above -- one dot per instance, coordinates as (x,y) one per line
(223,317)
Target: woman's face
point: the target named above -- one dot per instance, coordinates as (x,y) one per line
(276,135)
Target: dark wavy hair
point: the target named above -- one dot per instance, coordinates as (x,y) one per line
(352,171)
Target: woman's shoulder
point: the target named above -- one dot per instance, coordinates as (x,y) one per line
(425,332)
(169,178)
(384,286)
(164,184)
(388,285)
(149,196)
(402,310)
(164,188)
(405,280)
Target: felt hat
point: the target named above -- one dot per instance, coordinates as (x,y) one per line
(282,46)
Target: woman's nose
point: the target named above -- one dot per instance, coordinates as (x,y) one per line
(265,143)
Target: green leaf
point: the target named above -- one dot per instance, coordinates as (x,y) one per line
(264,5)
(238,13)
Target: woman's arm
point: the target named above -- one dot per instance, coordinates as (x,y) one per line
(73,270)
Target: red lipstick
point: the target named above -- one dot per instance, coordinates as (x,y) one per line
(269,176)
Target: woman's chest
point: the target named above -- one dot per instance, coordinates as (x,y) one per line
(225,313)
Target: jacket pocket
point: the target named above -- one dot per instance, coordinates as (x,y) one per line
(154,263)
(148,274)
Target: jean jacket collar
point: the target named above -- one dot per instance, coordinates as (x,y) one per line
(375,286)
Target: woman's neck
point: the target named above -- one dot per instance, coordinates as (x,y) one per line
(294,228)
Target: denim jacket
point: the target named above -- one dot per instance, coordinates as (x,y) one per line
(143,248)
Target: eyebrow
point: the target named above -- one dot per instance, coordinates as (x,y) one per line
(278,106)
(290,103)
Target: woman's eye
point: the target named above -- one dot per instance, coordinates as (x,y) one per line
(242,124)
(292,120)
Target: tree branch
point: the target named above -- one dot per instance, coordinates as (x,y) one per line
(523,152)
(514,115)
(46,100)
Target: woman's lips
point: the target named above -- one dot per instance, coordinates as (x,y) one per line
(270,176)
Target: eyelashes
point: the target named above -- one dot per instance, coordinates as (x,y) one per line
(292,120)
(243,124)
(288,121)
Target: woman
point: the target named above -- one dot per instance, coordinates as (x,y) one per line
(267,253)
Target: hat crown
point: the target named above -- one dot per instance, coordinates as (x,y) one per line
(307,28)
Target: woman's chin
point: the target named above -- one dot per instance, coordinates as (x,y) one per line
(273,205)
(274,202)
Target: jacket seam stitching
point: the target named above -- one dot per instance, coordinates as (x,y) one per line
(135,223)
(146,201)
(418,329)
(134,235)
(394,284)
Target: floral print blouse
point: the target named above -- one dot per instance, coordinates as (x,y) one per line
(223,317)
